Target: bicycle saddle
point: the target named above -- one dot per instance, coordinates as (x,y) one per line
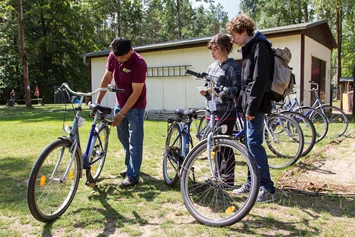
(103,109)
(191,113)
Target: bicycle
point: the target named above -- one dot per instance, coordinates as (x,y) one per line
(55,175)
(177,144)
(283,135)
(207,192)
(333,114)
(319,120)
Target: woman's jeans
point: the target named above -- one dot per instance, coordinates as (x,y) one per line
(130,132)
(254,138)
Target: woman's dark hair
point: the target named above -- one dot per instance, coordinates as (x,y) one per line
(221,41)
(120,46)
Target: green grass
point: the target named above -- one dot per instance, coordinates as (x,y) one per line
(149,209)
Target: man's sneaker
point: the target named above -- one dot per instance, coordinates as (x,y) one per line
(265,196)
(244,189)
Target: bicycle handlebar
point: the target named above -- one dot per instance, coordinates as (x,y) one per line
(110,87)
(316,84)
(209,78)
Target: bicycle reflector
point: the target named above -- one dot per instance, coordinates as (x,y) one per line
(230,209)
(42,181)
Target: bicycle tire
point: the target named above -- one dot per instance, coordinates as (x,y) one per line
(172,155)
(195,127)
(48,193)
(308,130)
(284,138)
(318,119)
(99,152)
(335,116)
(212,201)
(202,127)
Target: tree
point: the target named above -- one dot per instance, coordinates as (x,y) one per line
(24,56)
(10,73)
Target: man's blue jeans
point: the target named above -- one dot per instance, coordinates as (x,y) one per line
(130,132)
(254,137)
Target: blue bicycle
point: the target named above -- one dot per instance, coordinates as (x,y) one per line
(178,143)
(55,176)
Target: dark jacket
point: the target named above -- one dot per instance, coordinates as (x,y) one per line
(257,75)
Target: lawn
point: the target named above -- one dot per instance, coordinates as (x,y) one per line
(151,208)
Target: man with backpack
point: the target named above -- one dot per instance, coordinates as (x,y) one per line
(255,100)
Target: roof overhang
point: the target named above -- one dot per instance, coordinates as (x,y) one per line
(318,31)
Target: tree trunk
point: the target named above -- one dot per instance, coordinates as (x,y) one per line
(339,41)
(178,19)
(24,57)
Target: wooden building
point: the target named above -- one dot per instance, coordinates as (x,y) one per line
(168,88)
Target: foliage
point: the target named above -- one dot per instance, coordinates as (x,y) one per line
(57,33)
(272,13)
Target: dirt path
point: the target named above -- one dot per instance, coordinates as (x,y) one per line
(330,170)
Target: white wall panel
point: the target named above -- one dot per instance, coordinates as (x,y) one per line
(174,92)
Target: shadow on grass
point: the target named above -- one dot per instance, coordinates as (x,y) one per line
(13,179)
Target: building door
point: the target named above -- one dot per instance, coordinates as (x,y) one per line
(318,76)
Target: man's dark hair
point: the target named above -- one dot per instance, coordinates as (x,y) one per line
(120,46)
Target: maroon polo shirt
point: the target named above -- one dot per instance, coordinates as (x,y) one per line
(132,71)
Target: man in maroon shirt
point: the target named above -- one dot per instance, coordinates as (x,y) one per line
(128,69)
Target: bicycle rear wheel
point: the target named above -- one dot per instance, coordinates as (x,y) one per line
(172,155)
(318,119)
(284,138)
(337,119)
(99,152)
(308,130)
(53,181)
(210,198)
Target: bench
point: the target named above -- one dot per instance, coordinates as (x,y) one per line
(9,102)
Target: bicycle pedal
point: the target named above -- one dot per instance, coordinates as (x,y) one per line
(92,185)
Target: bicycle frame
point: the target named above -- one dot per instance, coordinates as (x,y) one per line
(75,137)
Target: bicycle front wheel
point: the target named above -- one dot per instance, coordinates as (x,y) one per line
(207,192)
(172,155)
(99,152)
(202,127)
(284,138)
(53,181)
(197,127)
(337,119)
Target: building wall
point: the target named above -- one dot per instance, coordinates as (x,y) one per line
(314,49)
(170,93)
